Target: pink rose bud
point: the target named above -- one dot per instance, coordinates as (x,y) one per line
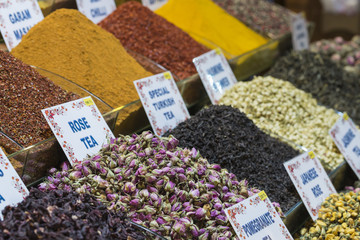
(200,213)
(134,202)
(179,228)
(129,187)
(75,175)
(169,186)
(194,193)
(218,206)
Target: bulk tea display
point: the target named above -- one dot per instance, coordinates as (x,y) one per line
(210,25)
(280,108)
(173,191)
(69,44)
(325,80)
(225,136)
(65,215)
(144,32)
(264,17)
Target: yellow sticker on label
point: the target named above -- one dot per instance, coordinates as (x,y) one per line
(346,116)
(167,75)
(218,51)
(262,195)
(88,101)
(312,154)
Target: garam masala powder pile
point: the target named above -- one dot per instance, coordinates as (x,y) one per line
(69,44)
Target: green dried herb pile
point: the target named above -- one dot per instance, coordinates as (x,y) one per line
(328,82)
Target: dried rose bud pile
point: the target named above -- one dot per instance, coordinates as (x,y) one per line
(173,191)
(65,215)
(346,53)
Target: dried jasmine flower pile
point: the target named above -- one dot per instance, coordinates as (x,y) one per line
(173,191)
(65,215)
(325,80)
(338,219)
(280,108)
(225,136)
(346,53)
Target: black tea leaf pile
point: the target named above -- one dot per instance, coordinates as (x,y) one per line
(225,136)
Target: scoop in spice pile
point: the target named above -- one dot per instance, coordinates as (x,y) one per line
(225,136)
(280,108)
(173,191)
(338,219)
(65,215)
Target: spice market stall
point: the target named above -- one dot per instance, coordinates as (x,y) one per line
(191,182)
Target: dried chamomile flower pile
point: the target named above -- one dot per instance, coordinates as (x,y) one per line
(65,215)
(173,191)
(338,219)
(280,108)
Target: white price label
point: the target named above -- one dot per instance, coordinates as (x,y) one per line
(16,19)
(300,35)
(256,218)
(162,102)
(310,180)
(215,74)
(79,128)
(12,190)
(153,4)
(347,138)
(96,10)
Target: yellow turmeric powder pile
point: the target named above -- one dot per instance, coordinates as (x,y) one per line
(69,44)
(211,25)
